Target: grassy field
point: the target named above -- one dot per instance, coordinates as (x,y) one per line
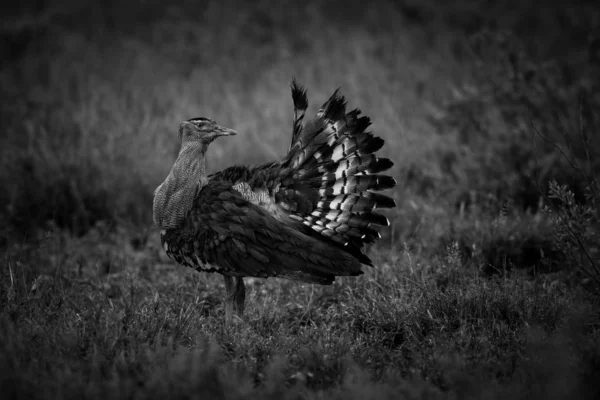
(486,285)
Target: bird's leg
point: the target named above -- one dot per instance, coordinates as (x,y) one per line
(228,298)
(239,296)
(235,298)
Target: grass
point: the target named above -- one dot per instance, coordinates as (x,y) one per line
(479,290)
(143,328)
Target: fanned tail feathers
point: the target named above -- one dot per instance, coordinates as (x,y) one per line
(331,174)
(300,106)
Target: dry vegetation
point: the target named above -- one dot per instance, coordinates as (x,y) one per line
(486,284)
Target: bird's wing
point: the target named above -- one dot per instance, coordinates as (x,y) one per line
(328,184)
(226,233)
(331,176)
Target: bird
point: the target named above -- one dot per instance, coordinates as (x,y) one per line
(306,217)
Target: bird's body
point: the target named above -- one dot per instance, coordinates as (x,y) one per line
(304,218)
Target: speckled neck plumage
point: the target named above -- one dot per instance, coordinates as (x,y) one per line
(174,197)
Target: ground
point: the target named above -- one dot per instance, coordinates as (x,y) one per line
(485,285)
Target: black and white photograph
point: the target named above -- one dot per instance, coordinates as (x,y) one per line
(300,199)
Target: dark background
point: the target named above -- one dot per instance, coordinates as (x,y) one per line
(92,93)
(481,288)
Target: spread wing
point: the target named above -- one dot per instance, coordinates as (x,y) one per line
(328,184)
(224,232)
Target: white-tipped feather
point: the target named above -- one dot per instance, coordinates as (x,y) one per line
(336,157)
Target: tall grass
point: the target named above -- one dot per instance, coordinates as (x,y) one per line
(73,328)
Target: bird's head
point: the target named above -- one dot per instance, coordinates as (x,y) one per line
(202,131)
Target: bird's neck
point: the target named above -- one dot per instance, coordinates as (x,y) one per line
(174,197)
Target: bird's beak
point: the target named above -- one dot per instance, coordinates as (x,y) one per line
(222,131)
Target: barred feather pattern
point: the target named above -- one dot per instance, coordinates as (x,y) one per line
(306,217)
(225,233)
(333,162)
(329,180)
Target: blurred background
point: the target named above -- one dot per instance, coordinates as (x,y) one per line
(464,93)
